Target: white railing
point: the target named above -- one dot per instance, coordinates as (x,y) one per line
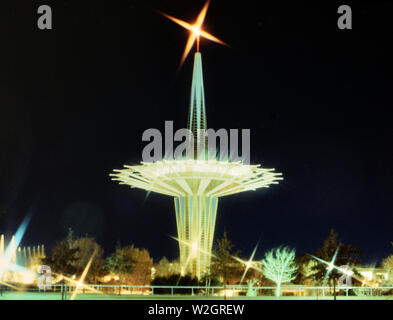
(315,291)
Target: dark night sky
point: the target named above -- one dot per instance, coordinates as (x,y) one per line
(74,102)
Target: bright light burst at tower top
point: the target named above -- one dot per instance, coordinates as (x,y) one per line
(196,31)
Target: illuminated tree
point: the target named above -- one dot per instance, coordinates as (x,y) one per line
(346,255)
(86,248)
(141,275)
(62,259)
(166,268)
(223,265)
(387,264)
(70,257)
(279,266)
(305,269)
(121,263)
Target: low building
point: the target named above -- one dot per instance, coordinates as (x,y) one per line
(374,276)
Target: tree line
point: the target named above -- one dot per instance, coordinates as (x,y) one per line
(133,266)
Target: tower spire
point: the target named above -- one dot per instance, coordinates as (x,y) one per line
(197,112)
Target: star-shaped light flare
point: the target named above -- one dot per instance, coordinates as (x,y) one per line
(249,264)
(83,276)
(196,31)
(81,285)
(331,266)
(10,285)
(194,249)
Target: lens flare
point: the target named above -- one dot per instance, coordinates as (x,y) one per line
(331,266)
(193,253)
(8,257)
(249,264)
(83,276)
(196,31)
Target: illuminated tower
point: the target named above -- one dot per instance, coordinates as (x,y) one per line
(196,182)
(196,186)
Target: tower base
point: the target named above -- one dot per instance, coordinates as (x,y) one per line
(196,218)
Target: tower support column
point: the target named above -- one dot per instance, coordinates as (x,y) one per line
(196,218)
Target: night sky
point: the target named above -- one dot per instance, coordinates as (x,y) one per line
(75,100)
